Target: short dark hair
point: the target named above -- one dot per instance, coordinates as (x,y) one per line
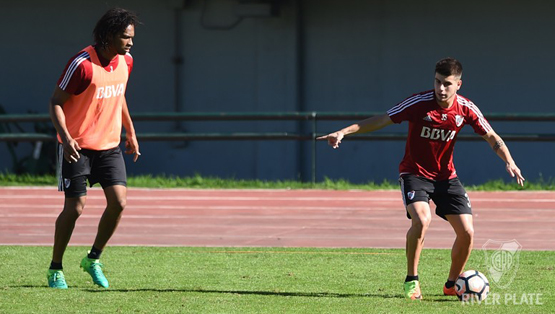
(113,22)
(449,66)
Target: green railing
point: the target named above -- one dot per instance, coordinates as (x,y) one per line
(311,117)
(309,134)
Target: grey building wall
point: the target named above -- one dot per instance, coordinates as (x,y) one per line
(315,55)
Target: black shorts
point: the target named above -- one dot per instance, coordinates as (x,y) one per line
(449,195)
(106,167)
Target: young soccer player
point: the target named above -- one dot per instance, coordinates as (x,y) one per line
(88,109)
(427,171)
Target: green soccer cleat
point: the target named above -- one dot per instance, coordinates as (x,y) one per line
(94,268)
(56,279)
(412,290)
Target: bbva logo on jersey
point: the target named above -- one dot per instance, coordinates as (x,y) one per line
(110,91)
(437,134)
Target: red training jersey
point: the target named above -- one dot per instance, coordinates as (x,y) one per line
(94,115)
(77,74)
(433,131)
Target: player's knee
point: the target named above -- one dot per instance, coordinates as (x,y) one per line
(71,213)
(467,235)
(117,205)
(122,204)
(424,221)
(470,234)
(421,224)
(73,207)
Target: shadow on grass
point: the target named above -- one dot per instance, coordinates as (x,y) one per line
(431,298)
(246,292)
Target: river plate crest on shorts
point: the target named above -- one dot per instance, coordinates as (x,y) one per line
(502,261)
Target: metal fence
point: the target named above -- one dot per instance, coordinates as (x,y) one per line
(308,131)
(311,117)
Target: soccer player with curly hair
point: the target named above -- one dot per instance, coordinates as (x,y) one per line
(88,109)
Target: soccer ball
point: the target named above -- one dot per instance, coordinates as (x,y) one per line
(471,286)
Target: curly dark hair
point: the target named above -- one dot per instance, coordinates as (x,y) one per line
(113,22)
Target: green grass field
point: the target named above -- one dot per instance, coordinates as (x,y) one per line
(259,280)
(202,182)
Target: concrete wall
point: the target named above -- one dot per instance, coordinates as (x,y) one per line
(316,55)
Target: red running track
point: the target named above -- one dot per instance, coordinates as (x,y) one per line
(273,218)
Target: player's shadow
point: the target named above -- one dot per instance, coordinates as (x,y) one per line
(266,293)
(436,298)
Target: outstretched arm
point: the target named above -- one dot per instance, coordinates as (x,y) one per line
(131,143)
(369,125)
(499,147)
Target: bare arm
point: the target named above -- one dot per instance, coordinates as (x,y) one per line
(499,147)
(368,125)
(131,143)
(55,108)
